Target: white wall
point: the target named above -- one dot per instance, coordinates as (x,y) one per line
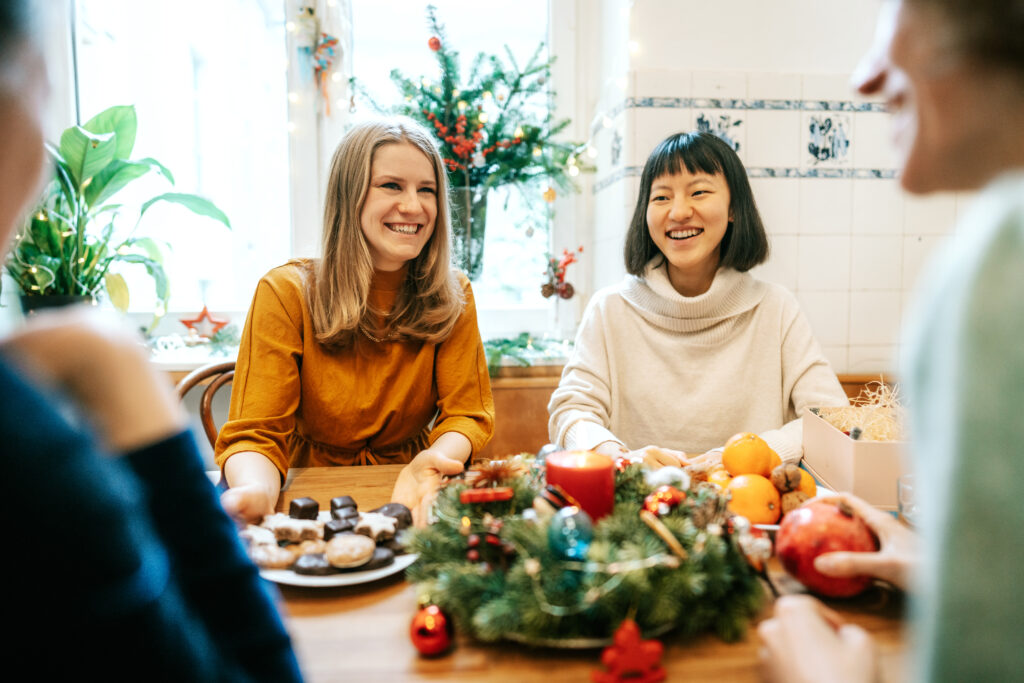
(844,237)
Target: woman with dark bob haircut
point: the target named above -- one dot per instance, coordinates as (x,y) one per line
(691,316)
(745,243)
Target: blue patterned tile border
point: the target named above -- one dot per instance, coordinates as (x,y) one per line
(766,172)
(741,104)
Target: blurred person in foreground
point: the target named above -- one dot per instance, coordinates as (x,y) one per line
(124,566)
(952,74)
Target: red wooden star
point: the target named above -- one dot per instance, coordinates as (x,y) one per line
(630,659)
(215,324)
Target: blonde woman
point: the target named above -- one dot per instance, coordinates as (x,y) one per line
(371,353)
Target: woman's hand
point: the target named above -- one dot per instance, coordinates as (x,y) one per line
(805,642)
(249,503)
(897,552)
(419,481)
(105,369)
(255,484)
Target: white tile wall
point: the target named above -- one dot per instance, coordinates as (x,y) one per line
(824,263)
(875,317)
(934,215)
(877,207)
(778,200)
(825,205)
(877,262)
(829,316)
(774,86)
(874,147)
(719,84)
(783,261)
(662,83)
(773,139)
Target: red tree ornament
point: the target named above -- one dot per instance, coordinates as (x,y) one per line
(434,43)
(663,500)
(431,631)
(630,659)
(213,325)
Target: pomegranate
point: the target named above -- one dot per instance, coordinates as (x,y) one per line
(823,527)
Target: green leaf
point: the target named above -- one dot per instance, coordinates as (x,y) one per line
(160,168)
(120,120)
(148,245)
(156,271)
(195,204)
(115,176)
(86,154)
(117,290)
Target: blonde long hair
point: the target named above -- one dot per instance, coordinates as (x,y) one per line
(430,300)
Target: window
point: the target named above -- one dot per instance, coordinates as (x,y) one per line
(208,80)
(392,34)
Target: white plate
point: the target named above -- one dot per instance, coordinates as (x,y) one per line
(290,578)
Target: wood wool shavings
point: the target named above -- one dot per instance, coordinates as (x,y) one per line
(877,412)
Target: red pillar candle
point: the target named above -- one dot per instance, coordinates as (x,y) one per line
(586,476)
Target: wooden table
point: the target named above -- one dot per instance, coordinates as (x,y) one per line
(361,633)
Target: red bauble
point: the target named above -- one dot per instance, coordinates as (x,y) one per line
(817,528)
(434,43)
(663,500)
(431,631)
(630,659)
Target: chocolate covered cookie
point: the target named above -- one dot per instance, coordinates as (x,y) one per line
(382,557)
(314,564)
(303,508)
(377,526)
(339,526)
(400,512)
(342,502)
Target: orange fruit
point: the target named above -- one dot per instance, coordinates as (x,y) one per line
(754,497)
(807,484)
(719,477)
(747,453)
(776,460)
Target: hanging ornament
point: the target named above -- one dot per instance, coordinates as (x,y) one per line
(550,195)
(207,330)
(434,43)
(431,631)
(630,659)
(323,60)
(663,500)
(570,533)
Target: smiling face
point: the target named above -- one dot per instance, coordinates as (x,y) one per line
(687,217)
(948,114)
(400,208)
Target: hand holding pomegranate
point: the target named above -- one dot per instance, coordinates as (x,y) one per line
(896,556)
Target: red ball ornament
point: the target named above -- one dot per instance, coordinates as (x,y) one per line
(434,43)
(431,631)
(663,499)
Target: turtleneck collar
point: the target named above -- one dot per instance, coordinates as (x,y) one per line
(656,300)
(389,280)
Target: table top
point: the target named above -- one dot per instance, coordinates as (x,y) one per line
(361,633)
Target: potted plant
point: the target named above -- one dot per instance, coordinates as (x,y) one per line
(67,247)
(489,133)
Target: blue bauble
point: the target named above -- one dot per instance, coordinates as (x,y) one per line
(570,533)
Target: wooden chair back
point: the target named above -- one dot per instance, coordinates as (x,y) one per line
(215,375)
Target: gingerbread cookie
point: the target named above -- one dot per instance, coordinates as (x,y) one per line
(294,530)
(271,556)
(377,526)
(350,550)
(382,557)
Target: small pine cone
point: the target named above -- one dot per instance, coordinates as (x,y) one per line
(793,500)
(786,477)
(547,290)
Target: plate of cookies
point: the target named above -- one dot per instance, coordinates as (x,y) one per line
(337,547)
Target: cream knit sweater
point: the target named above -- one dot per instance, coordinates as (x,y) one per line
(652,367)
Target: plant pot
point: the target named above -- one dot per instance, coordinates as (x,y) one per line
(469,223)
(30,303)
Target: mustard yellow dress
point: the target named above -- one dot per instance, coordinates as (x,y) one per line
(303,405)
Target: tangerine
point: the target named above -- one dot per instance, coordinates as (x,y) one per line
(755,498)
(807,484)
(747,453)
(720,478)
(776,460)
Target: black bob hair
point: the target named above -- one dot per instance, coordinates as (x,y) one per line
(745,243)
